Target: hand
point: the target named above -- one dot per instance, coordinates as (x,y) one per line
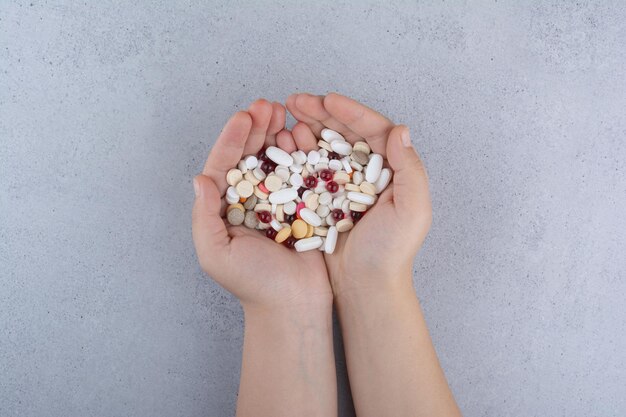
(261,273)
(378,252)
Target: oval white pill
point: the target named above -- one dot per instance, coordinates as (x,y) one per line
(374,167)
(296,168)
(346,165)
(325,198)
(342,148)
(290,207)
(299,157)
(283,196)
(330,135)
(383,180)
(313,158)
(331,240)
(296,180)
(282,172)
(335,164)
(251,161)
(279,156)
(276,225)
(232,196)
(361,198)
(310,243)
(357,178)
(310,217)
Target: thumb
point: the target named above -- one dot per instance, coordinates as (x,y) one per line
(209,231)
(410,182)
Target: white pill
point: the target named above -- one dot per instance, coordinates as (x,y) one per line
(296,180)
(310,217)
(283,196)
(320,166)
(322,211)
(289,208)
(299,157)
(335,165)
(321,248)
(323,159)
(242,166)
(345,206)
(325,198)
(331,240)
(232,196)
(313,158)
(282,172)
(373,168)
(296,168)
(279,156)
(342,148)
(338,201)
(309,168)
(361,198)
(330,135)
(259,173)
(323,153)
(276,225)
(306,194)
(320,187)
(346,165)
(251,161)
(383,180)
(330,220)
(310,243)
(357,177)
(324,145)
(356,165)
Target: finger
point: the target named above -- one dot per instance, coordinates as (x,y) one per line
(315,126)
(304,138)
(363,121)
(228,149)
(284,140)
(209,232)
(410,182)
(313,107)
(261,112)
(277,123)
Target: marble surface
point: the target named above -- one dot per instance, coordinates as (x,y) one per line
(108,108)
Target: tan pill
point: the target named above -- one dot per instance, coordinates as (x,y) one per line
(244,189)
(341,177)
(260,193)
(251,220)
(344,225)
(361,147)
(237,206)
(352,187)
(299,229)
(309,231)
(280,213)
(357,207)
(233,177)
(273,183)
(249,176)
(235,216)
(324,145)
(320,231)
(323,211)
(250,202)
(283,234)
(360,157)
(312,201)
(262,207)
(367,188)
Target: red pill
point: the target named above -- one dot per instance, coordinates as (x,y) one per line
(290,242)
(263,188)
(333,155)
(271,233)
(290,218)
(337,215)
(268,167)
(299,207)
(310,181)
(356,215)
(326,174)
(332,186)
(301,191)
(264,216)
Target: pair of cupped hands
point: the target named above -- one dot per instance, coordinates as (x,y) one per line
(376,255)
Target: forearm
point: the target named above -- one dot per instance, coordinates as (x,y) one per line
(288,364)
(392,364)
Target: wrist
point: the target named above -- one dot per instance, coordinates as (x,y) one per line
(353,283)
(316,309)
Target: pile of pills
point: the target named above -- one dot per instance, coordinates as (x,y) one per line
(305,200)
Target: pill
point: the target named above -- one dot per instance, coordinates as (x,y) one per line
(289,208)
(296,180)
(341,147)
(312,158)
(356,166)
(346,165)
(325,198)
(279,156)
(282,172)
(251,161)
(259,174)
(299,229)
(259,193)
(345,206)
(309,230)
(241,166)
(262,226)
(320,187)
(250,220)
(244,188)
(359,157)
(320,231)
(312,201)
(309,168)
(274,208)
(296,168)
(299,207)
(362,198)
(273,183)
(337,201)
(262,207)
(322,211)
(283,196)
(362,147)
(324,145)
(330,220)
(331,240)
(276,225)
(367,188)
(299,157)
(383,180)
(352,187)
(323,153)
(280,213)
(341,177)
(330,135)
(335,165)
(311,243)
(357,178)
(343,225)
(232,196)
(323,159)
(249,176)
(357,207)
(283,234)
(373,168)
(306,194)
(233,176)
(235,214)
(310,217)
(250,202)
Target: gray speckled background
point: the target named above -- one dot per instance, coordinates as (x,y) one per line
(108,108)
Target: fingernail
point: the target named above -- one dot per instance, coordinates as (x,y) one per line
(406,138)
(196,187)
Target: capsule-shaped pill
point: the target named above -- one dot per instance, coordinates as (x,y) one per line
(279,156)
(362,198)
(331,240)
(341,147)
(372,172)
(330,136)
(310,217)
(283,196)
(310,243)
(383,180)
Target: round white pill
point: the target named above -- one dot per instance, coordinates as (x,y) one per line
(373,168)
(251,161)
(361,198)
(310,217)
(313,158)
(290,207)
(331,240)
(296,168)
(232,196)
(357,178)
(296,180)
(279,156)
(242,166)
(330,135)
(283,196)
(310,243)
(335,165)
(342,148)
(282,172)
(299,157)
(383,180)
(325,198)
